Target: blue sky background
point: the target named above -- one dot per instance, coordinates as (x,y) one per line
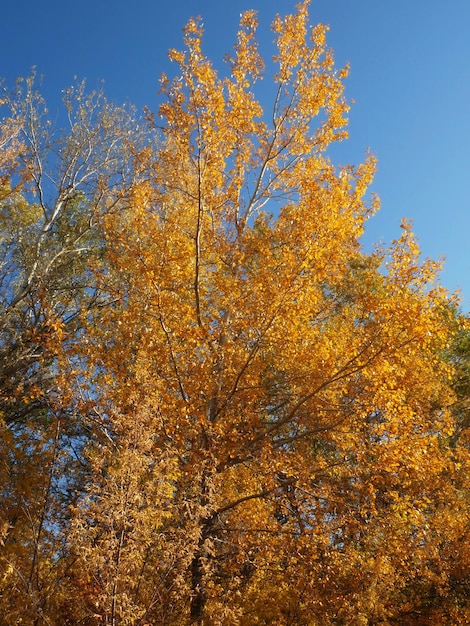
(410,80)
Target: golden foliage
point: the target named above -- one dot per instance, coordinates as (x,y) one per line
(295,382)
(265,409)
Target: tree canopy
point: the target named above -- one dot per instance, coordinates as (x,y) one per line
(216,406)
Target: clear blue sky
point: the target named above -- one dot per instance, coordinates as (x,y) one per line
(410,80)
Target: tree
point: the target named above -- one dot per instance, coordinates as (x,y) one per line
(268,403)
(53,186)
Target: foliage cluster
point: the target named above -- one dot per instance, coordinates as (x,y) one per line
(215,407)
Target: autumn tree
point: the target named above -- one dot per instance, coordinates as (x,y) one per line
(215,406)
(453,562)
(269,403)
(54,184)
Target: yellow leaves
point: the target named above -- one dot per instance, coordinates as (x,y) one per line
(264,408)
(16,213)
(193,30)
(247,61)
(291,34)
(219,121)
(177,56)
(11,146)
(141,196)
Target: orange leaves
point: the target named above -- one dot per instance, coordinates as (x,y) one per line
(263,410)
(11,144)
(405,266)
(308,84)
(291,35)
(247,61)
(219,122)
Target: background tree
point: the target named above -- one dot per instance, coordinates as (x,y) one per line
(269,404)
(54,185)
